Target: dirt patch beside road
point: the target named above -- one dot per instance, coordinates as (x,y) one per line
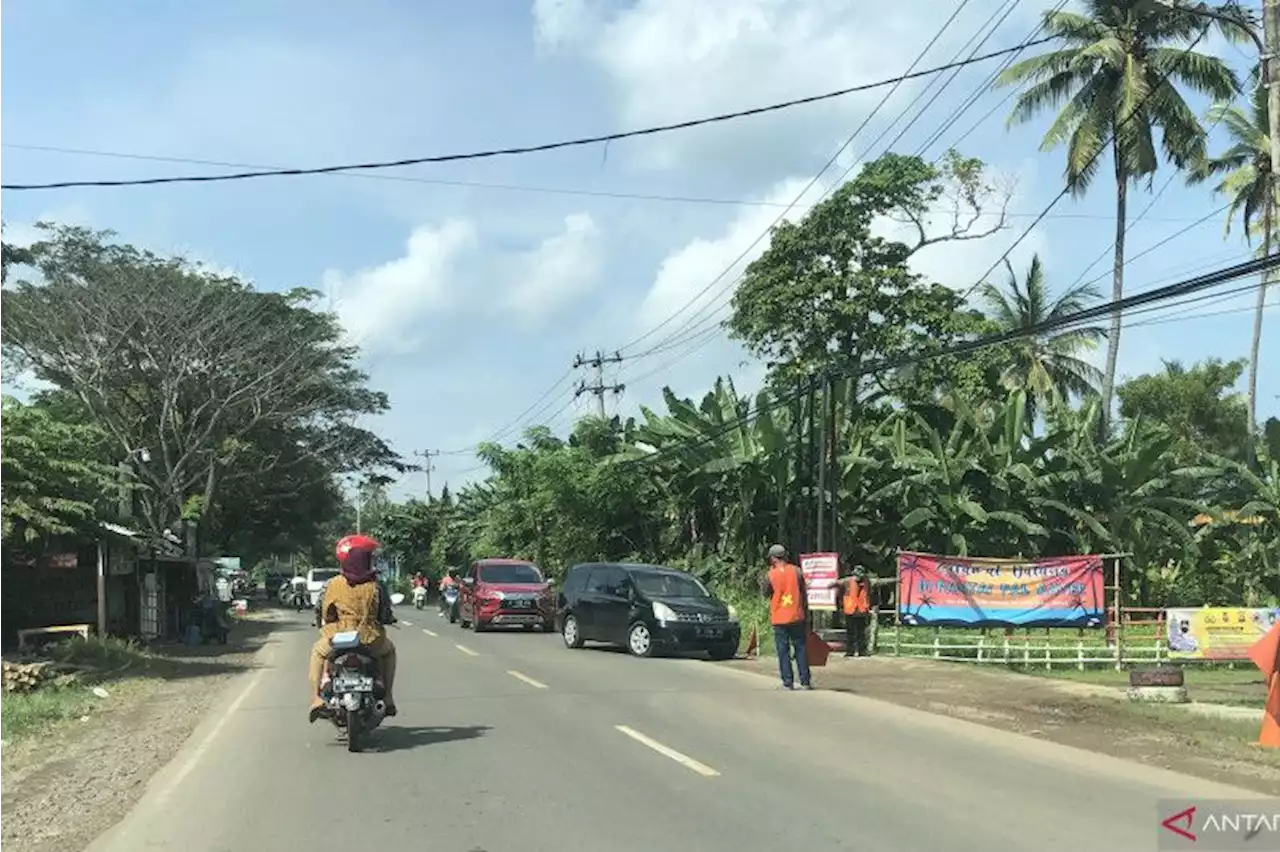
(67,784)
(1085,715)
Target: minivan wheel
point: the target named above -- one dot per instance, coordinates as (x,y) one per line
(570,633)
(640,640)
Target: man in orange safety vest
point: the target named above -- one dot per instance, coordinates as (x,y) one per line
(783,585)
(855,603)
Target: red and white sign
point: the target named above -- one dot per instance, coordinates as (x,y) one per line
(820,570)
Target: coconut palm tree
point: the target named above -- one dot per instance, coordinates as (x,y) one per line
(1116,77)
(1048,364)
(1245,169)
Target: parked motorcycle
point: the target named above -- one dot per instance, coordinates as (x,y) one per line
(353,689)
(419,597)
(207,621)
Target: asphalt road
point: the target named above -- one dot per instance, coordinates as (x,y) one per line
(510,741)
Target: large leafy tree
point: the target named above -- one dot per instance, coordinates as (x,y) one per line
(830,293)
(231,390)
(1114,77)
(1046,365)
(1244,172)
(56,477)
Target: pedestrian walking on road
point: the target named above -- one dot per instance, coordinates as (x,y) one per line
(855,603)
(783,585)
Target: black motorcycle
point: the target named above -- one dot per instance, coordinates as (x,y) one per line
(353,690)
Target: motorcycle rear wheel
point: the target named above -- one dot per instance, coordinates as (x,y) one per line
(353,732)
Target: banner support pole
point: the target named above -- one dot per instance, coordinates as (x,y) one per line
(897,604)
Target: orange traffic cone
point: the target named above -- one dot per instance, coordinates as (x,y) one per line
(1265,654)
(753,644)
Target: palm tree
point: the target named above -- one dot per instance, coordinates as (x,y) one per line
(1116,78)
(1246,181)
(1047,364)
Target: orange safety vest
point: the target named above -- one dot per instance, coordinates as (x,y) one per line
(856,599)
(786,605)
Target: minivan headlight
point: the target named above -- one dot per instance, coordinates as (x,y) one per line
(664,613)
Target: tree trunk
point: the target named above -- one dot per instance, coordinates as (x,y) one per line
(1251,440)
(1117,293)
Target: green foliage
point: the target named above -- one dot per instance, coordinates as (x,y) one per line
(1198,405)
(828,293)
(245,399)
(55,480)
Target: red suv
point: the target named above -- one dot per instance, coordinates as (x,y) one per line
(501,592)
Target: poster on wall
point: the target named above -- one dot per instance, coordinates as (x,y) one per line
(820,572)
(1216,633)
(954,591)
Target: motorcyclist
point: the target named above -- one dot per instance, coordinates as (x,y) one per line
(447,581)
(297,588)
(354,600)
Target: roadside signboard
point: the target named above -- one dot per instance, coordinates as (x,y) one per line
(820,572)
(1216,633)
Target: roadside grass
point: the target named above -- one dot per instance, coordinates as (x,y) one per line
(22,715)
(1242,686)
(120,663)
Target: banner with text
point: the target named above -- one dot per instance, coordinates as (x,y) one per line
(1216,633)
(1063,591)
(820,570)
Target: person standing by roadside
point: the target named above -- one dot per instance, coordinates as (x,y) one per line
(783,585)
(855,603)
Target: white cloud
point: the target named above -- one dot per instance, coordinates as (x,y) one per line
(561,24)
(382,308)
(670,60)
(562,268)
(687,272)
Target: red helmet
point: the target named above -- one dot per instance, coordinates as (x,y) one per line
(351,542)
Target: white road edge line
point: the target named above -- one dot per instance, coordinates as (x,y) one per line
(407,623)
(524,677)
(430,632)
(683,759)
(464,649)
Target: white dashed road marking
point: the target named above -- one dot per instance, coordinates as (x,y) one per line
(667,751)
(464,649)
(524,677)
(430,632)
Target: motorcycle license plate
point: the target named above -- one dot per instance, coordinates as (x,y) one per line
(353,683)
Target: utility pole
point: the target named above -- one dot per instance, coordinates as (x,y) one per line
(1269,64)
(599,388)
(427,466)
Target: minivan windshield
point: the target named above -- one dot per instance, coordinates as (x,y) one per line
(512,573)
(322,575)
(670,585)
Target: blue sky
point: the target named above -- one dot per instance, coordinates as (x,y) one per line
(472,300)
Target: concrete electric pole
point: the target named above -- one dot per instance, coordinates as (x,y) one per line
(427,466)
(599,388)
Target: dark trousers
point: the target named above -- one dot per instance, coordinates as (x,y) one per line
(855,634)
(788,637)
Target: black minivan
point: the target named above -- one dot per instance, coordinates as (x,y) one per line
(645,608)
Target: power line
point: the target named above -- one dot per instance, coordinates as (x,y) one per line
(1153,296)
(688,330)
(831,161)
(1105,145)
(544,190)
(512,150)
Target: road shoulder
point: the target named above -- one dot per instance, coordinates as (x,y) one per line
(76,780)
(1083,716)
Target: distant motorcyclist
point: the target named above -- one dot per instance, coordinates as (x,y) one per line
(355,600)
